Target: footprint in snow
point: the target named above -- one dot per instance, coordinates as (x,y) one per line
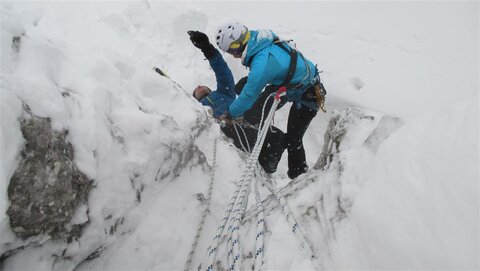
(357,83)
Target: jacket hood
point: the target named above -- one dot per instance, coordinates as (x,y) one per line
(259,39)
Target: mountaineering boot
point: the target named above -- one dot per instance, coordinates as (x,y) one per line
(272,150)
(297,171)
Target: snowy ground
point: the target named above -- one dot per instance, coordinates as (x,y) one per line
(413,203)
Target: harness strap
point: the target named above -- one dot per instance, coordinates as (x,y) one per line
(319,90)
(292,66)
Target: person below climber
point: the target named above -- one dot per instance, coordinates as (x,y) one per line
(273,64)
(243,134)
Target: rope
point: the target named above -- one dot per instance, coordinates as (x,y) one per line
(206,210)
(239,201)
(234,242)
(260,236)
(295,227)
(212,249)
(240,138)
(234,249)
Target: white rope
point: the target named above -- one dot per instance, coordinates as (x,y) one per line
(233,244)
(239,201)
(234,232)
(206,210)
(295,227)
(240,138)
(260,236)
(212,249)
(298,233)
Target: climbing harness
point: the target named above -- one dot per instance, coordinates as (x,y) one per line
(319,89)
(293,53)
(206,210)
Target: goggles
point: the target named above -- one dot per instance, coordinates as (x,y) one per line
(237,47)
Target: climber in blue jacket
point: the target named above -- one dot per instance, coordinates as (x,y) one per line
(224,96)
(244,134)
(273,62)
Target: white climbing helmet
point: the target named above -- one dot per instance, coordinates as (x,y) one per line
(232,37)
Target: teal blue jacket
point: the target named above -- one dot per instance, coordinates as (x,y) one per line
(268,65)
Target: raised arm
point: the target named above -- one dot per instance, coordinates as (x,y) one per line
(223,74)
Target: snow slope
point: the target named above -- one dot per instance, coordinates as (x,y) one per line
(411,204)
(419,208)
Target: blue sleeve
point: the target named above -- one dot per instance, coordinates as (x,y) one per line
(223,74)
(258,78)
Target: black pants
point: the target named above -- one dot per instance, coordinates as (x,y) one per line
(246,135)
(271,151)
(298,121)
(276,141)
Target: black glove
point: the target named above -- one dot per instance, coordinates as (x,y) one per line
(240,84)
(200,40)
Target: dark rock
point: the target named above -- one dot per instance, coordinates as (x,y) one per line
(47,187)
(338,127)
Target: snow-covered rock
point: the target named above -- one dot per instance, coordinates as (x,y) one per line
(47,187)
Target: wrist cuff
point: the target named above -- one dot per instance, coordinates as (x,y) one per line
(209,52)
